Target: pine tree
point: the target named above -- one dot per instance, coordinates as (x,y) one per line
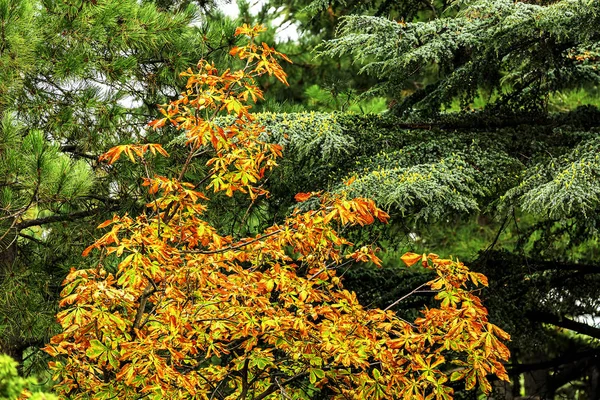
(76,78)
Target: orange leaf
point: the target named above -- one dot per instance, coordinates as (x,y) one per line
(301,197)
(157,123)
(87,250)
(411,259)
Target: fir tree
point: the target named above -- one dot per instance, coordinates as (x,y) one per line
(525,176)
(516,53)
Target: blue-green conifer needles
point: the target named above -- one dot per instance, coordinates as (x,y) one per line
(516,52)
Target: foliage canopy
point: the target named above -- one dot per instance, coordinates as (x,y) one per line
(173,309)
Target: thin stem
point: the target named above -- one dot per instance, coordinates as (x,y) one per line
(238,246)
(405,296)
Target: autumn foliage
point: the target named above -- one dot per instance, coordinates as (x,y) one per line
(190,313)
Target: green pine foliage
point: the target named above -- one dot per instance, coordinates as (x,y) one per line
(19,36)
(424,190)
(564,186)
(76,78)
(36,174)
(418,172)
(308,135)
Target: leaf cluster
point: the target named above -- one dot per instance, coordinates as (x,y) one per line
(190,313)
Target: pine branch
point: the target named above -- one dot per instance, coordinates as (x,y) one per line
(73,150)
(62,217)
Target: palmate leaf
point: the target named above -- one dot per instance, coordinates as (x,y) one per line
(96,349)
(190,311)
(103,354)
(131,151)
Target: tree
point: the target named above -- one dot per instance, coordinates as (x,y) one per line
(472,144)
(77,78)
(174,309)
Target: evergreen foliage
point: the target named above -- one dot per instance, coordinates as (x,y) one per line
(518,51)
(77,77)
(564,186)
(13,387)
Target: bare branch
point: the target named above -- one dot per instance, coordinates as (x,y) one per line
(277,385)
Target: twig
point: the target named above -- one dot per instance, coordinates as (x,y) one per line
(404,297)
(283,392)
(491,246)
(238,246)
(148,291)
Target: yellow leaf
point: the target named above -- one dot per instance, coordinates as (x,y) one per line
(270,285)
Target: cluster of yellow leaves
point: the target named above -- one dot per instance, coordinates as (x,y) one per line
(240,156)
(192,314)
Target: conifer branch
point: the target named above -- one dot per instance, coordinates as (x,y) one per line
(62,218)
(564,322)
(554,362)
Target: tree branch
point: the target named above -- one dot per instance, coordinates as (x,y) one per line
(73,150)
(560,266)
(405,296)
(564,322)
(148,291)
(244,374)
(60,218)
(276,385)
(555,362)
(33,239)
(238,246)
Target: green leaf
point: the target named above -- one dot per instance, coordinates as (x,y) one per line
(457,375)
(376,374)
(315,375)
(96,349)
